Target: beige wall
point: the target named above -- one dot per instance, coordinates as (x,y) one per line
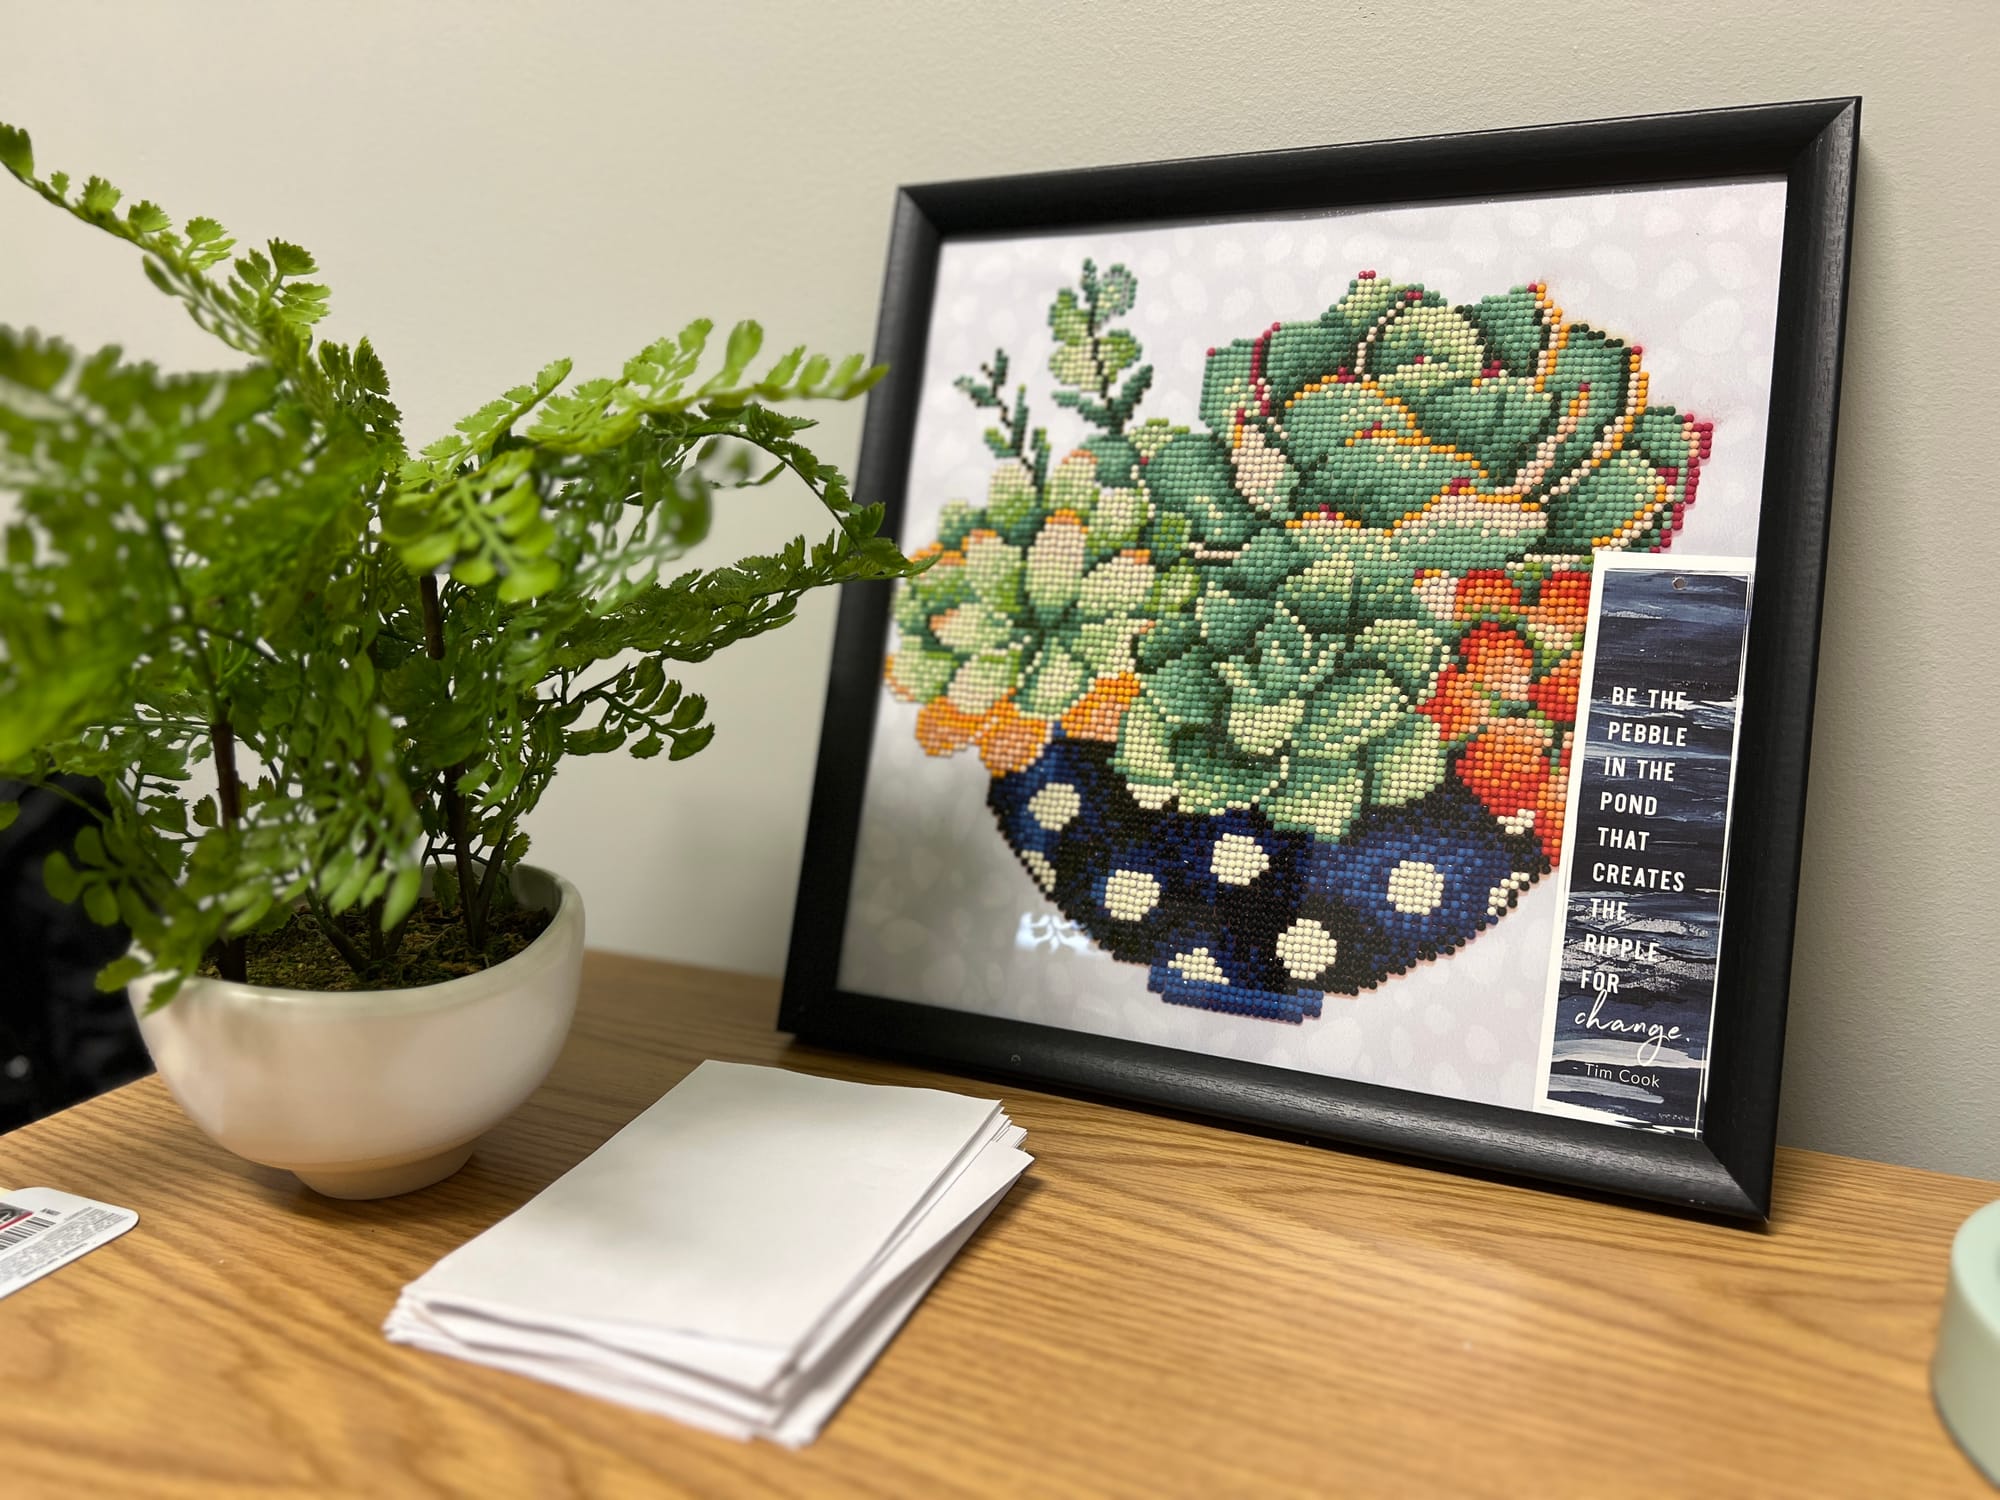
(490,185)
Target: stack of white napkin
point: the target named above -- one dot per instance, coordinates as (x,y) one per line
(736,1257)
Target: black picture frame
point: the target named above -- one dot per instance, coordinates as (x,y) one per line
(1725,1170)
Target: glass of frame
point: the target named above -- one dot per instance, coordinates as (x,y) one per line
(1363,682)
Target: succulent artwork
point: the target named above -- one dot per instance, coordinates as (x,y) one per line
(1283,704)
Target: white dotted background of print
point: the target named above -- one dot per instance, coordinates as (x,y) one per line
(939,900)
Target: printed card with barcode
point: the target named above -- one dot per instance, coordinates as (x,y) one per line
(42,1230)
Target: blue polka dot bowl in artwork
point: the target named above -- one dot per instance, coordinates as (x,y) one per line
(1231,914)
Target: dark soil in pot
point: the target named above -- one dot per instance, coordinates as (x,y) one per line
(299,956)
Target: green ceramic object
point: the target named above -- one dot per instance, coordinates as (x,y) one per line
(1966,1372)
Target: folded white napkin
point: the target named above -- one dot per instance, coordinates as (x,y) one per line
(736,1257)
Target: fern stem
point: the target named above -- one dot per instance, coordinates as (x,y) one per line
(344,945)
(470,910)
(230,960)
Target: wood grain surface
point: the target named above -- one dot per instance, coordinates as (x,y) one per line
(1162,1307)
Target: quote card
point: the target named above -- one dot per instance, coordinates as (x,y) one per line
(1631,1001)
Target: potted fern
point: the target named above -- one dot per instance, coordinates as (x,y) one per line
(323,678)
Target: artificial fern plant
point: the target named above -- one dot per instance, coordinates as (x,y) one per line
(384,654)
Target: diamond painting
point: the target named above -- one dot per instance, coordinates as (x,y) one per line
(1236,710)
(1284,706)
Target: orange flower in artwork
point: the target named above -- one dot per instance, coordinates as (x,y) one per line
(1519,770)
(1506,764)
(1515,726)
(1494,667)
(1009,740)
(1552,804)
(1486,591)
(1499,660)
(1561,609)
(943,730)
(1098,713)
(1458,704)
(1555,694)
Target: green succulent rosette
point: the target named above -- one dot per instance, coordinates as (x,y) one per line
(1347,462)
(1034,601)
(1034,596)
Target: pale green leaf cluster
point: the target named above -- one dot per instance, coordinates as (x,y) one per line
(393,650)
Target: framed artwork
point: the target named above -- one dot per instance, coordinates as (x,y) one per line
(1363,681)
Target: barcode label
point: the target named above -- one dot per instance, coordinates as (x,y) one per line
(18,1224)
(42,1230)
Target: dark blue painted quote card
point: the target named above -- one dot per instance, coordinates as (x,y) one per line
(1632,988)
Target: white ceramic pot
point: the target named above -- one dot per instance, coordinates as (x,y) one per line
(375,1092)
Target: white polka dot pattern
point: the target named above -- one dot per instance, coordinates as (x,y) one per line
(1238,859)
(1415,887)
(1130,894)
(1055,805)
(1306,948)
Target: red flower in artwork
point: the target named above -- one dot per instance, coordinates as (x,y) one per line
(1495,668)
(1519,771)
(1555,692)
(1561,608)
(1514,725)
(1488,591)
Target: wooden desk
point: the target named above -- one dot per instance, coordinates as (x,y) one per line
(1161,1307)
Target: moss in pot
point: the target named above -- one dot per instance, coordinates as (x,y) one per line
(323,678)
